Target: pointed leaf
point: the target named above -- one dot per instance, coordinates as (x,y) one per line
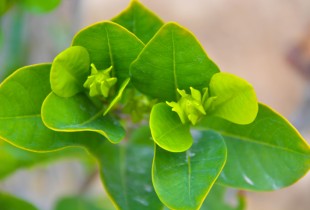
(109,44)
(118,97)
(172,59)
(167,129)
(126,172)
(235,98)
(183,180)
(267,154)
(139,20)
(21,97)
(9,202)
(216,200)
(69,71)
(78,113)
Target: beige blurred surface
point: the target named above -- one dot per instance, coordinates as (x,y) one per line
(248,38)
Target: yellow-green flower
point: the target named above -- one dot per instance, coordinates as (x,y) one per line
(100,82)
(191,107)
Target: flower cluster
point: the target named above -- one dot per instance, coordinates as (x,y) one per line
(191,107)
(100,81)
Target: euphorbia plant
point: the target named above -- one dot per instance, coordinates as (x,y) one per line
(186,127)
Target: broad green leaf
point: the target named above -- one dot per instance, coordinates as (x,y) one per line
(21,97)
(183,180)
(118,97)
(15,158)
(139,20)
(126,172)
(83,203)
(69,71)
(110,44)
(40,6)
(216,200)
(235,98)
(10,202)
(78,113)
(267,154)
(172,59)
(168,131)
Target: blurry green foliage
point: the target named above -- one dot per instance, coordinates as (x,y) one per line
(9,202)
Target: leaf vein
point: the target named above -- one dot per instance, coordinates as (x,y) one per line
(174,66)
(241,138)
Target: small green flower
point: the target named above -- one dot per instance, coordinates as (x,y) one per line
(191,107)
(100,82)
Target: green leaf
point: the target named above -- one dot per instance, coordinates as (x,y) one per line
(139,20)
(9,202)
(126,172)
(167,129)
(39,6)
(21,97)
(216,200)
(183,180)
(69,71)
(118,97)
(15,158)
(267,154)
(78,113)
(83,203)
(172,59)
(110,44)
(235,98)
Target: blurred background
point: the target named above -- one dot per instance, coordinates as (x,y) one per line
(267,42)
